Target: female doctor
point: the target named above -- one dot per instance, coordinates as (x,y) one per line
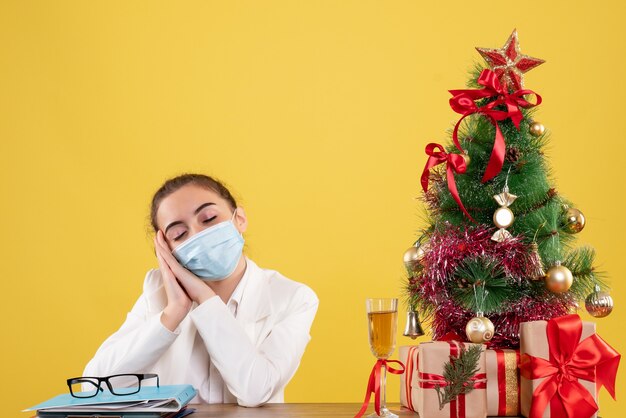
(209,316)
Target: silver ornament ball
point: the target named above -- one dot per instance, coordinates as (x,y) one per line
(599,304)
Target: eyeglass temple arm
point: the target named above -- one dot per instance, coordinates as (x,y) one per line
(150,376)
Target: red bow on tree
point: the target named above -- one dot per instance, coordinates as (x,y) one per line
(570,359)
(454,163)
(463,102)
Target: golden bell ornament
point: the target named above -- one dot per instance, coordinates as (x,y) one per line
(413,256)
(479,329)
(558,278)
(413,327)
(536,129)
(599,304)
(573,221)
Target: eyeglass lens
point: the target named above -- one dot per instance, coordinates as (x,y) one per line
(84,387)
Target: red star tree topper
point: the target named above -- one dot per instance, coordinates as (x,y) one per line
(508,63)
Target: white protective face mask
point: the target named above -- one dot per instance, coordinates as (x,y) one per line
(212,254)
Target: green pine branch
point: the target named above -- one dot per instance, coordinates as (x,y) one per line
(488,278)
(580,262)
(458,374)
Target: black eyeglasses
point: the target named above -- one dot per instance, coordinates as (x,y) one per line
(118,384)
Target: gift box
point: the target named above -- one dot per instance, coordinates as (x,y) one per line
(431,357)
(503,384)
(408,394)
(563,364)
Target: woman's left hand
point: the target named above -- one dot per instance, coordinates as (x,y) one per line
(196,288)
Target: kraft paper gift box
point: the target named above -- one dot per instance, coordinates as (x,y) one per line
(408,394)
(503,385)
(563,364)
(431,358)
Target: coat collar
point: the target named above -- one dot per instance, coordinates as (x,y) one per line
(255,303)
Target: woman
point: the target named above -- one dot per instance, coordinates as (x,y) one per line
(209,316)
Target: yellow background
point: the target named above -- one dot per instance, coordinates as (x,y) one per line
(315,113)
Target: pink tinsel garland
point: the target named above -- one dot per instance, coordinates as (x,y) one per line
(448,248)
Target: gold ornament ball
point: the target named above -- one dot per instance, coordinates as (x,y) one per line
(573,221)
(479,329)
(467,159)
(536,129)
(559,279)
(503,217)
(412,257)
(599,304)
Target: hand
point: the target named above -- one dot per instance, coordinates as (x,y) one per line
(195,288)
(178,302)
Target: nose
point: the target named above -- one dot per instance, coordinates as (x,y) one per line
(194,229)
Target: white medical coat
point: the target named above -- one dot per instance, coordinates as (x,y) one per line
(256,353)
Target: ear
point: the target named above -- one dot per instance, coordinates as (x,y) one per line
(241,221)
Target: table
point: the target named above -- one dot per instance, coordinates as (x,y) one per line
(291,410)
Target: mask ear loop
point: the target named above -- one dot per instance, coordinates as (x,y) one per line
(241,234)
(232,219)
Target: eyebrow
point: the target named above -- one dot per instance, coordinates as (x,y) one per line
(198,209)
(202,206)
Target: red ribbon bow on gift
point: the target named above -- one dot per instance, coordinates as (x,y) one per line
(591,359)
(463,102)
(373,386)
(454,163)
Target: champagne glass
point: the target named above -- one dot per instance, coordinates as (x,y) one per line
(382,316)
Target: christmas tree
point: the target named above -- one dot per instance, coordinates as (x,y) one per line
(499,248)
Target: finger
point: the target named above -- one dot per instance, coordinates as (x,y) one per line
(173,288)
(177,269)
(170,260)
(162,241)
(165,270)
(164,266)
(159,253)
(165,253)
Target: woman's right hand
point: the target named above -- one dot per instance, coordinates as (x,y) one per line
(178,302)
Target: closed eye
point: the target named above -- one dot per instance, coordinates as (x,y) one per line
(206,221)
(179,236)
